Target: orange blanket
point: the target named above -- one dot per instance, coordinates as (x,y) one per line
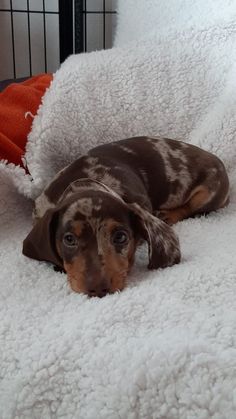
(15,101)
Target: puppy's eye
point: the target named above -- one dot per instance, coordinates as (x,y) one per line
(70,240)
(120,237)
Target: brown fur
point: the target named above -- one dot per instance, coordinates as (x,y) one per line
(107,264)
(75,274)
(199,198)
(122,185)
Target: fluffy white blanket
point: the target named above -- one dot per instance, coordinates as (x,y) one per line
(137,18)
(165,347)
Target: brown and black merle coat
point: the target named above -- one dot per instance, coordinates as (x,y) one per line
(95,212)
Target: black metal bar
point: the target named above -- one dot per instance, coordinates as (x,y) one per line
(25,11)
(104,24)
(65,28)
(79,33)
(70,40)
(85,25)
(29,38)
(97,12)
(88,12)
(12,40)
(44,38)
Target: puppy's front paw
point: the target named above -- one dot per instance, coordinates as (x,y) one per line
(171,216)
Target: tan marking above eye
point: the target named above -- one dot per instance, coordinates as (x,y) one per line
(78,227)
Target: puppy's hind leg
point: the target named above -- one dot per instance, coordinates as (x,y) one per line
(198,199)
(210,196)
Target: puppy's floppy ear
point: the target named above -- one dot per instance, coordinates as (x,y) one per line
(40,244)
(163,244)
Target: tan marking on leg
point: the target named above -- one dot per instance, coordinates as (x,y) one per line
(199,197)
(172,216)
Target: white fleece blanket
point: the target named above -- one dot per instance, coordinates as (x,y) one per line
(165,347)
(137,18)
(154,86)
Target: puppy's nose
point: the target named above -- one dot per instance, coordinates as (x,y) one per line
(99,291)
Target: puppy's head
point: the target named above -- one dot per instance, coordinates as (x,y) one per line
(93,234)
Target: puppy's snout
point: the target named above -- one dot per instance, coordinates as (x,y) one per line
(100,290)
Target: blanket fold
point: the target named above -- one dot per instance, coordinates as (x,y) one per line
(152,87)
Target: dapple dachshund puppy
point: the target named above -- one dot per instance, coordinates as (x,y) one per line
(95,212)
